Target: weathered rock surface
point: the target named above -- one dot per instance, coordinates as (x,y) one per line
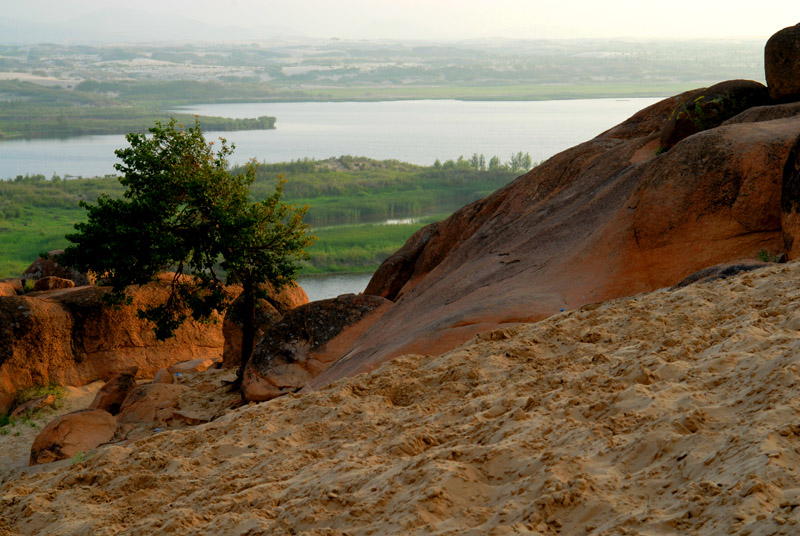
(10,287)
(50,267)
(709,108)
(71,338)
(52,282)
(790,202)
(72,434)
(151,403)
(604,219)
(782,64)
(111,396)
(268,311)
(306,341)
(163,376)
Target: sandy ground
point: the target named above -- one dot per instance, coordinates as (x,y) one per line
(16,439)
(675,412)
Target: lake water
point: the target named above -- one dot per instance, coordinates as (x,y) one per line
(320,287)
(411,131)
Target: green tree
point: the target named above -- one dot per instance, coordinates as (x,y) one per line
(183,210)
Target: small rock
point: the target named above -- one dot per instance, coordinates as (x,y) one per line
(151,403)
(52,283)
(163,376)
(115,391)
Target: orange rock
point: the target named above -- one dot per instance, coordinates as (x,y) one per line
(192,365)
(72,434)
(52,282)
(111,396)
(10,287)
(70,337)
(306,341)
(601,220)
(151,403)
(163,376)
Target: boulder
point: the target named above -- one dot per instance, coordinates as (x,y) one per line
(52,282)
(782,64)
(269,309)
(10,287)
(72,434)
(709,108)
(163,376)
(50,267)
(70,337)
(152,403)
(111,395)
(306,341)
(605,219)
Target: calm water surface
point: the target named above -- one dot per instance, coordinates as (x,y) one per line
(321,287)
(411,131)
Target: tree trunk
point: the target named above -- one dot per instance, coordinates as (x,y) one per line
(248,326)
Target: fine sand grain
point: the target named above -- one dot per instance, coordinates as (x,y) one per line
(675,412)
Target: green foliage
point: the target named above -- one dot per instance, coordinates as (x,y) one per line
(27,395)
(765,256)
(183,210)
(355,193)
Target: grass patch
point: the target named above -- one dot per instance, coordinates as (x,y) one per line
(29,417)
(349,198)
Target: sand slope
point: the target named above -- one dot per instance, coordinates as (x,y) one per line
(675,412)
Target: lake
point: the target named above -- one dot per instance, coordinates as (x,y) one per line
(411,131)
(320,287)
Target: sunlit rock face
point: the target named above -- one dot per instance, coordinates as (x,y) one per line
(611,217)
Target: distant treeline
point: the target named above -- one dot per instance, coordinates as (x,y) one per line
(349,197)
(33,111)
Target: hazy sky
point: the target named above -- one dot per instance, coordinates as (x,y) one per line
(454,19)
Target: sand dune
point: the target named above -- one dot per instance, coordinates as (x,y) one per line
(674,412)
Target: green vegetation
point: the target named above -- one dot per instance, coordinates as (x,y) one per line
(349,198)
(183,210)
(28,418)
(34,111)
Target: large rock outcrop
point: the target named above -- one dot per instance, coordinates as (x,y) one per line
(303,343)
(782,64)
(71,337)
(604,219)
